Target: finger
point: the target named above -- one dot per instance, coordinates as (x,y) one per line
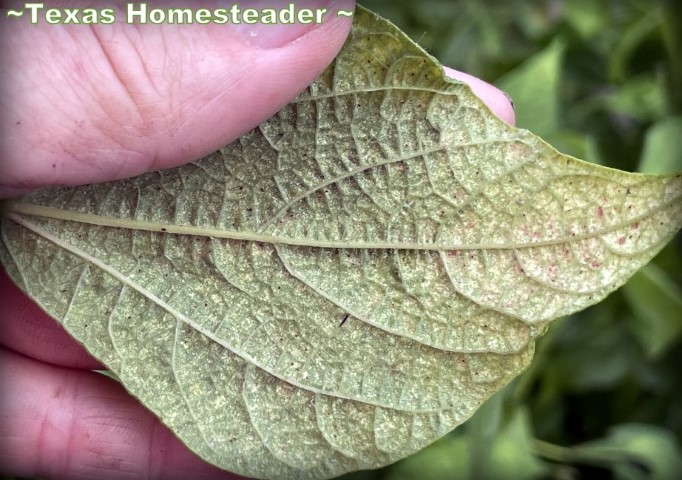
(67,424)
(499,102)
(118,100)
(26,329)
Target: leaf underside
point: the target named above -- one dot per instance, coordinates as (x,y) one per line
(349,281)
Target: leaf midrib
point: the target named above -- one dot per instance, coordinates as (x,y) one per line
(19,208)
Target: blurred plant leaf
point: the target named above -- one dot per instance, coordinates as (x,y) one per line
(641,98)
(575,369)
(499,440)
(663,147)
(512,451)
(447,458)
(588,17)
(631,38)
(577,144)
(508,449)
(638,452)
(657,303)
(534,86)
(481,431)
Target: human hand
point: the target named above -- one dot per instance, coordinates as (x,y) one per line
(82,105)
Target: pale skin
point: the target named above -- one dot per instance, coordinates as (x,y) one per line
(84,105)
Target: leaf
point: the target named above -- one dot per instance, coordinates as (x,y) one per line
(587,17)
(641,98)
(656,301)
(512,451)
(346,283)
(447,458)
(663,147)
(508,452)
(636,451)
(633,37)
(534,86)
(498,438)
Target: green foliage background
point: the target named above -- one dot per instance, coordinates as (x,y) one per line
(600,80)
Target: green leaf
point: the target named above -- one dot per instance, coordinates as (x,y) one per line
(631,38)
(657,303)
(577,144)
(642,98)
(447,458)
(636,452)
(512,452)
(482,429)
(534,86)
(654,447)
(663,147)
(507,453)
(589,18)
(500,447)
(346,283)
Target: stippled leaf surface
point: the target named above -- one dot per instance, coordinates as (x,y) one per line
(349,281)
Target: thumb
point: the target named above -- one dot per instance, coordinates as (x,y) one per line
(498,101)
(113,101)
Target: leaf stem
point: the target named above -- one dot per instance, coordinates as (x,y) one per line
(588,456)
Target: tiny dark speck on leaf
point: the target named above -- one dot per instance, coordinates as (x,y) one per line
(344,319)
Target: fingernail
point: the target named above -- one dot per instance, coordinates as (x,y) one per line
(274,24)
(511,100)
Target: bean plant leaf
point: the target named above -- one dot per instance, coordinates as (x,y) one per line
(347,282)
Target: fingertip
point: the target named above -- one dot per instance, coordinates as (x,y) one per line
(26,329)
(499,102)
(64,423)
